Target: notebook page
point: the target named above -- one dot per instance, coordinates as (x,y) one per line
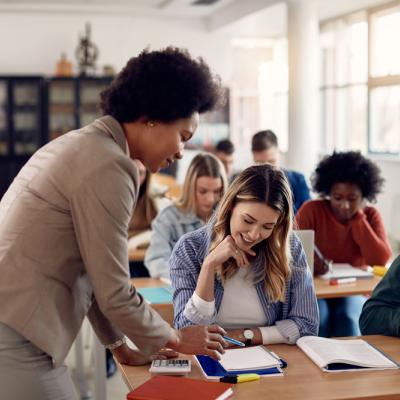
(248,358)
(347,271)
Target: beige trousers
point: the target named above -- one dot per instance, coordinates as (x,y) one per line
(26,372)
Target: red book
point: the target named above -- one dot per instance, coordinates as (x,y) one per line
(176,388)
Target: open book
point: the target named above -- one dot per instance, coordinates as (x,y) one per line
(334,355)
(347,271)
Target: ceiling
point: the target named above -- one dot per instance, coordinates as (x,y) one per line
(247,17)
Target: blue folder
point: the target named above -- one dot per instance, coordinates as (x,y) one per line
(157,295)
(212,369)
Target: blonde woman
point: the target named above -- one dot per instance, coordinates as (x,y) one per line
(204,184)
(246,270)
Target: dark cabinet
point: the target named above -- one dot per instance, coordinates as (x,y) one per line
(73,103)
(35,110)
(22,130)
(22,123)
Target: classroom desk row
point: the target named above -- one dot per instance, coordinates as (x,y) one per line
(302,379)
(322,288)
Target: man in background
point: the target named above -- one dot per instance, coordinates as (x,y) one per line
(224,151)
(264,146)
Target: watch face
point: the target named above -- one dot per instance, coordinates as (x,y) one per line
(248,334)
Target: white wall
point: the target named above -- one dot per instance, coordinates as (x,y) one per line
(389,201)
(31,43)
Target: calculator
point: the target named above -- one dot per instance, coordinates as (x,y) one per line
(170,367)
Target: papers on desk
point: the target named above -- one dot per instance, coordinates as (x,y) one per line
(337,355)
(347,271)
(141,240)
(247,360)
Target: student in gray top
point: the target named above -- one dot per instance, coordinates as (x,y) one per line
(204,184)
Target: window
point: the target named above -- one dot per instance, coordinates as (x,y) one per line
(360,82)
(344,62)
(384,81)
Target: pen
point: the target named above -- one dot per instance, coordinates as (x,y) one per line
(342,281)
(234,341)
(239,378)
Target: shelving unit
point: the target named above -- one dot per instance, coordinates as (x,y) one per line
(36,109)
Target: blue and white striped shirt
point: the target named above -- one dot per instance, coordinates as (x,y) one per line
(295,317)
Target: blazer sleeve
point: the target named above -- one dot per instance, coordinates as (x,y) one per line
(369,233)
(381,313)
(101,214)
(160,249)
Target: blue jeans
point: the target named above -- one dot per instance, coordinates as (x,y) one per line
(339,317)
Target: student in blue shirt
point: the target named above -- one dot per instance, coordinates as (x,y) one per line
(264,146)
(247,270)
(205,182)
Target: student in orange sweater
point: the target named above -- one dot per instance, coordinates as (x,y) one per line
(347,229)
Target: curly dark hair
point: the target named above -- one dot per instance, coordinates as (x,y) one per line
(163,86)
(347,167)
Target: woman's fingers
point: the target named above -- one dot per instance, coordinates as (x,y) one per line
(216,329)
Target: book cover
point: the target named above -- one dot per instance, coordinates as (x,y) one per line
(337,355)
(174,388)
(157,295)
(213,370)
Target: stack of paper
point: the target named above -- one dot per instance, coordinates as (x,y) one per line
(347,271)
(256,357)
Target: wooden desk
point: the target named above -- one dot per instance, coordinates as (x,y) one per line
(174,188)
(137,254)
(166,310)
(304,380)
(324,290)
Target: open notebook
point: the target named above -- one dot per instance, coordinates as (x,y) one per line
(347,271)
(336,355)
(247,360)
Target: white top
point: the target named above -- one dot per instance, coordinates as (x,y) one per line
(240,307)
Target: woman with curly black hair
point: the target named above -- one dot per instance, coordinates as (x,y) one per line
(64,223)
(347,229)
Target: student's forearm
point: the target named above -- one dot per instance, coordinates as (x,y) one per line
(205,282)
(375,249)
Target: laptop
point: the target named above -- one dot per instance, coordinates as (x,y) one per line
(306,237)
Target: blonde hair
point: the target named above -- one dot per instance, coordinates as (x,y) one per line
(203,164)
(268,185)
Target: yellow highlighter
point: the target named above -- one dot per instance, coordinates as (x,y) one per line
(239,378)
(379,270)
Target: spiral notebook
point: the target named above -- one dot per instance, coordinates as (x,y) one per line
(255,359)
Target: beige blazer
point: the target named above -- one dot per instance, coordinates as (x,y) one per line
(63,245)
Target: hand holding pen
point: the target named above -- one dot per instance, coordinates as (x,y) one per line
(327,264)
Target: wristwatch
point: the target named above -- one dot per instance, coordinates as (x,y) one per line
(248,335)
